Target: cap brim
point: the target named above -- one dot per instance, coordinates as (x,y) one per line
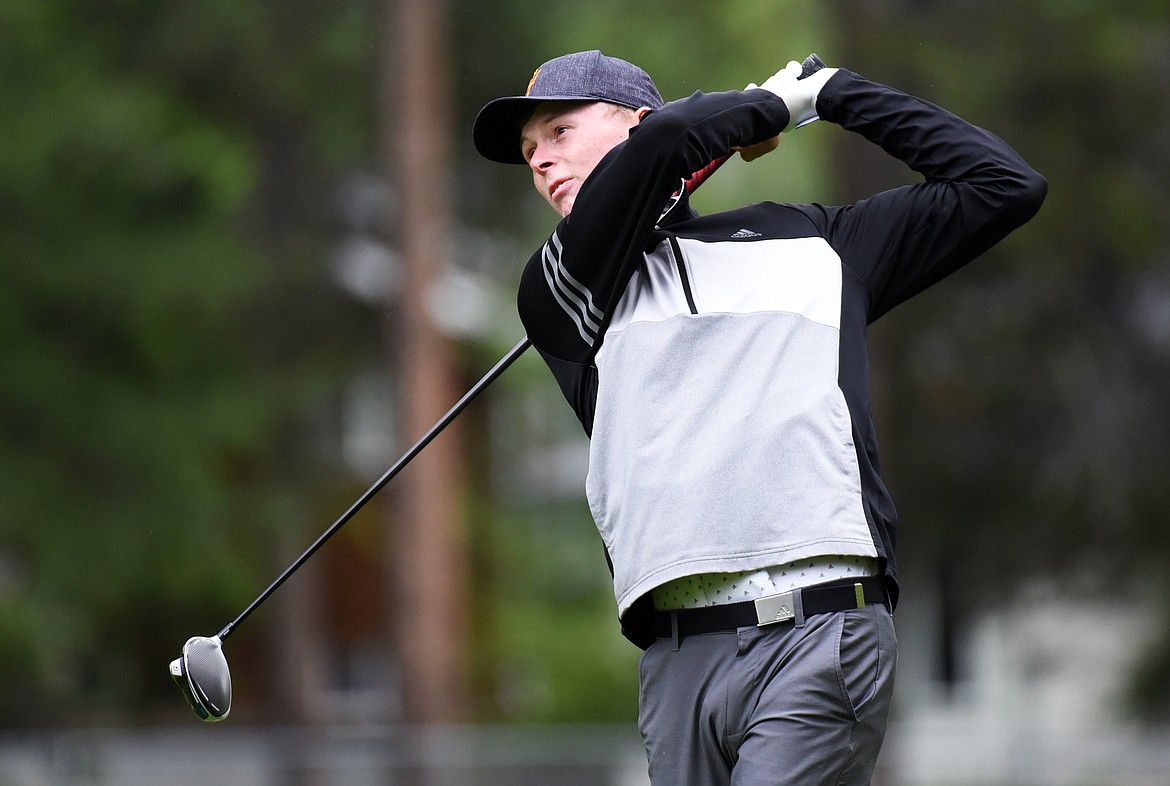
(496,130)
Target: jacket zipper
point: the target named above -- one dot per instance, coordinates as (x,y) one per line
(682,274)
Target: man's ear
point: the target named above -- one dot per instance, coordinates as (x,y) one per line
(642,112)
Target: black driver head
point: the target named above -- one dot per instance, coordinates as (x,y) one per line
(202,675)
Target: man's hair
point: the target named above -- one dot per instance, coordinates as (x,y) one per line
(618,109)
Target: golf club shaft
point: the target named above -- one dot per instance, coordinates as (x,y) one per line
(386,477)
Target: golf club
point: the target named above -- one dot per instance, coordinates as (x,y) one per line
(201,671)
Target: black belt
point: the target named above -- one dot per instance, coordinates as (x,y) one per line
(792,606)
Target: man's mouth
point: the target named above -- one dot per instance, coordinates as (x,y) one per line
(557,186)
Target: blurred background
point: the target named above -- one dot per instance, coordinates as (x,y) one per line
(248,255)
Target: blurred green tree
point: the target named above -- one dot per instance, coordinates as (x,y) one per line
(165,330)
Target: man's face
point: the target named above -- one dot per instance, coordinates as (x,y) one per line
(563,141)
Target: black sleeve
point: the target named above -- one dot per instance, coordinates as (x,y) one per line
(976,191)
(572,284)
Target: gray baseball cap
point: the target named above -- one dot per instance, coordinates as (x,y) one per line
(581,76)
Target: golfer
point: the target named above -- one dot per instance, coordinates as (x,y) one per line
(718,364)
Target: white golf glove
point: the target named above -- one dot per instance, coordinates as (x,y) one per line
(799,94)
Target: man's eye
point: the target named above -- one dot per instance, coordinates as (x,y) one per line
(561,129)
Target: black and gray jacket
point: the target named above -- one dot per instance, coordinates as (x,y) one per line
(718,362)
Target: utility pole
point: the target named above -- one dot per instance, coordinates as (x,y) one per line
(426,559)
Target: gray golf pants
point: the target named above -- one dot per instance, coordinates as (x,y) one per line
(772,705)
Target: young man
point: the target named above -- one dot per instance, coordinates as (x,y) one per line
(718,364)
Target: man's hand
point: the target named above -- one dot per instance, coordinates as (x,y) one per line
(798,84)
(799,94)
(752,152)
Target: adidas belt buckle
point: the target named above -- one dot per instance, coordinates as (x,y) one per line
(775,608)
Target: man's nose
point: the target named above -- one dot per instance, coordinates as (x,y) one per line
(541,160)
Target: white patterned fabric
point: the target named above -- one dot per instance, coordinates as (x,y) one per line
(713,589)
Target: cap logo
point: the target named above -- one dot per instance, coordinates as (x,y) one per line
(532,82)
